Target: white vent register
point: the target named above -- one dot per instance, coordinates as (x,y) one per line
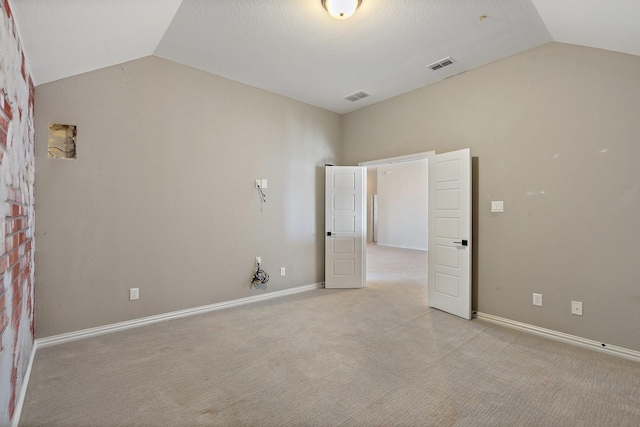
(356,96)
(441,64)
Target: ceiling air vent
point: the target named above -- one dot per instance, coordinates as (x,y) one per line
(356,96)
(442,63)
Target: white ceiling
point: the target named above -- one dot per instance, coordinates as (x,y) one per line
(294,48)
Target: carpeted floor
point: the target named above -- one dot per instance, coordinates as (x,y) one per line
(374,356)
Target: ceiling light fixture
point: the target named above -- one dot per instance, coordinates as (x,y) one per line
(341,9)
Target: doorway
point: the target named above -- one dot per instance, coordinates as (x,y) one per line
(449,219)
(397,219)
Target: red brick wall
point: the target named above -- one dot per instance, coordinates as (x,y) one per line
(16,215)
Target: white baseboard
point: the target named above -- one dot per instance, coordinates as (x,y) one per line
(114,327)
(23,391)
(561,336)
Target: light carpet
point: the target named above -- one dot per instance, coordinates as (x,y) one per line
(367,357)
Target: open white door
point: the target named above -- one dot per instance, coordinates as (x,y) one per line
(450,232)
(344,226)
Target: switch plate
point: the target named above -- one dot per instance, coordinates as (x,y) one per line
(537,299)
(264,183)
(497,206)
(134,294)
(258,183)
(576,308)
(282,271)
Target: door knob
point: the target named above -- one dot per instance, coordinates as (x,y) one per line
(462,242)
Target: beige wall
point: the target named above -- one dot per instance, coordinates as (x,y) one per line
(162,194)
(403,205)
(555,133)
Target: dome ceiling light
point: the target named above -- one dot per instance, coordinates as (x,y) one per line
(341,9)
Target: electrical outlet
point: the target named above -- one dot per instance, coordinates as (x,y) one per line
(537,299)
(264,183)
(576,308)
(258,260)
(497,206)
(282,271)
(134,293)
(258,183)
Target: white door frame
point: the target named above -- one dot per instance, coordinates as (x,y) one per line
(429,155)
(398,159)
(394,160)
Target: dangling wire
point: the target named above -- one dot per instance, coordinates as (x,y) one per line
(260,278)
(263,197)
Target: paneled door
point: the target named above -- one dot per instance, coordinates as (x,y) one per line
(450,232)
(345,188)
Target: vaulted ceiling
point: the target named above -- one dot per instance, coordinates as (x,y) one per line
(294,48)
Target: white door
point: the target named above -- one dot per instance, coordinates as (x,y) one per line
(450,232)
(345,226)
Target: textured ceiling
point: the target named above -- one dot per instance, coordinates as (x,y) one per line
(294,48)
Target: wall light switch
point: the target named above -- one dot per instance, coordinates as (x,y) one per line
(537,299)
(282,271)
(497,206)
